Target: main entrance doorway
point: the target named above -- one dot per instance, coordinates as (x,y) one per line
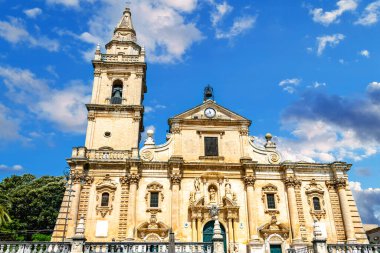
(208,232)
(275,248)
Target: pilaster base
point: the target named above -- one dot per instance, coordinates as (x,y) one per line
(255,246)
(298,243)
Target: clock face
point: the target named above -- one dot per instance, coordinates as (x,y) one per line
(210,113)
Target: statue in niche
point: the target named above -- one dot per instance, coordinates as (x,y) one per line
(197,184)
(212,194)
(228,191)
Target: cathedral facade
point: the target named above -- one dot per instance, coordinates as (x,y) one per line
(127,193)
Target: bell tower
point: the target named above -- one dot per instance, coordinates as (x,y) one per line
(115,113)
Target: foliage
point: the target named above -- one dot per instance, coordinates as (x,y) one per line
(41,237)
(4,216)
(32,203)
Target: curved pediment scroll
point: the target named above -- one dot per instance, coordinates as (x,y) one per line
(153,227)
(274,227)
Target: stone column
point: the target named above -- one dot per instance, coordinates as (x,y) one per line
(235,225)
(341,184)
(76,191)
(131,223)
(230,231)
(249,183)
(199,228)
(194,229)
(291,183)
(176,181)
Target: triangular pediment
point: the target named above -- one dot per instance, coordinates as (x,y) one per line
(198,113)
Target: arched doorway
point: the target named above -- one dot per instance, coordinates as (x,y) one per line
(208,232)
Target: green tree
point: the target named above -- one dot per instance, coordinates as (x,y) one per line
(4,216)
(33,204)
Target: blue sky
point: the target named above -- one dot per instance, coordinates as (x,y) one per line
(306,71)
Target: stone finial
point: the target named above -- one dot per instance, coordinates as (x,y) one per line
(269,144)
(149,140)
(98,54)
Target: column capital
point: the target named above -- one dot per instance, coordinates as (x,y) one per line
(337,183)
(340,183)
(133,178)
(292,181)
(249,180)
(175,178)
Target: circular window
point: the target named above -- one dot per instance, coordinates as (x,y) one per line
(107,134)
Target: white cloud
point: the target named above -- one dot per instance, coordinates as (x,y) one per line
(365,53)
(33,13)
(289,84)
(318,84)
(9,125)
(370,15)
(328,17)
(367,201)
(321,141)
(183,5)
(373,86)
(328,40)
(161,27)
(67,3)
(14,32)
(149,109)
(220,11)
(13,168)
(239,26)
(63,107)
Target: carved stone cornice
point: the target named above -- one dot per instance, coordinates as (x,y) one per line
(249,180)
(117,108)
(292,182)
(175,162)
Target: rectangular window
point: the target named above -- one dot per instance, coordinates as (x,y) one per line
(211,146)
(154,199)
(270,201)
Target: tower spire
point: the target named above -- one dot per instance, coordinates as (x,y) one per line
(124,31)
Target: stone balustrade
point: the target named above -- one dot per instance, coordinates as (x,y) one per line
(34,247)
(111,247)
(353,248)
(122,58)
(95,154)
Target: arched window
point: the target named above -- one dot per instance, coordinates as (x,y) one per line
(316,204)
(117,92)
(105,199)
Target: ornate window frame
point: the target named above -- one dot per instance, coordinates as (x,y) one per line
(270,189)
(315,190)
(156,188)
(105,186)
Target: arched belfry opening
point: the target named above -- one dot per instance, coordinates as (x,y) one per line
(208,93)
(117,92)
